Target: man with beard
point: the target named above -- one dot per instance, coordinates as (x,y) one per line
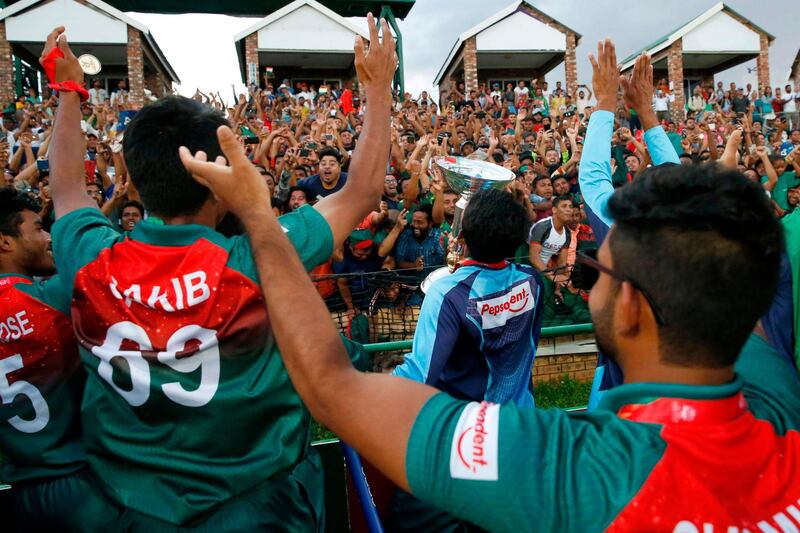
(597,189)
(674,449)
(41,382)
(418,247)
(330,178)
(444,208)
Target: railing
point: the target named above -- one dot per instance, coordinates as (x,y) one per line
(388,305)
(554,331)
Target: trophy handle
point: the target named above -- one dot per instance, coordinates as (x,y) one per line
(461,205)
(455,250)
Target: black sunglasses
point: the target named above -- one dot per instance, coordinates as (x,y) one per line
(587,270)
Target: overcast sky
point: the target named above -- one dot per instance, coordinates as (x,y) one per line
(200,47)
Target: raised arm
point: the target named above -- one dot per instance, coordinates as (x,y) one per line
(638,94)
(67,173)
(595,168)
(362,192)
(772,176)
(310,345)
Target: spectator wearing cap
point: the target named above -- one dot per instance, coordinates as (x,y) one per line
(330,178)
(359,257)
(467,148)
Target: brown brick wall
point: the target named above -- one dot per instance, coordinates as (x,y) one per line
(762,63)
(135,67)
(571,64)
(157,84)
(551,363)
(470,65)
(675,71)
(577,366)
(7,88)
(251,56)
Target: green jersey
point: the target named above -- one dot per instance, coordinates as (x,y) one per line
(653,457)
(41,382)
(787,180)
(187,401)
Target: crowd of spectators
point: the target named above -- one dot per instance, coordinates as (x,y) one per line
(301,138)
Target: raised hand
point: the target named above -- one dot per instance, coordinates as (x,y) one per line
(572,134)
(605,77)
(729,156)
(68,68)
(402,221)
(638,89)
(239,186)
(375,67)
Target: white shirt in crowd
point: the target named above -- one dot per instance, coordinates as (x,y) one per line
(790,103)
(661,103)
(97,96)
(119,97)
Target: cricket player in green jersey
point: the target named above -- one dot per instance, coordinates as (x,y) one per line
(41,383)
(189,417)
(687,269)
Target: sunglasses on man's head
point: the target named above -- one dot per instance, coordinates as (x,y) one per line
(587,271)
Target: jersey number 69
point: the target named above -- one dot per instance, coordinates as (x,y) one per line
(206,359)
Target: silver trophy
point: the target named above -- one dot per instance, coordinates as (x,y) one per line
(465,176)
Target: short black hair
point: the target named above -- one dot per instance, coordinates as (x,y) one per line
(563,198)
(132,203)
(427,209)
(703,241)
(333,152)
(151,145)
(12,204)
(493,225)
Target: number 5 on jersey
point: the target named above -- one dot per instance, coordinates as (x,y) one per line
(9,391)
(206,359)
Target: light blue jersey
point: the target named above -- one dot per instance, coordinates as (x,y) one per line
(477,333)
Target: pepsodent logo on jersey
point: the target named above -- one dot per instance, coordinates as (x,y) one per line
(473,454)
(499,310)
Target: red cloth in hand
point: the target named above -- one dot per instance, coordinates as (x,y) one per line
(49,65)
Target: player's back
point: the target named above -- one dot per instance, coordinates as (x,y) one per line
(41,382)
(477,333)
(187,402)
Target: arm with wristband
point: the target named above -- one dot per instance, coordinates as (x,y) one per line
(66,152)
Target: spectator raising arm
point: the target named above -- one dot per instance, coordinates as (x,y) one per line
(769,170)
(638,94)
(730,155)
(362,192)
(595,168)
(67,173)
